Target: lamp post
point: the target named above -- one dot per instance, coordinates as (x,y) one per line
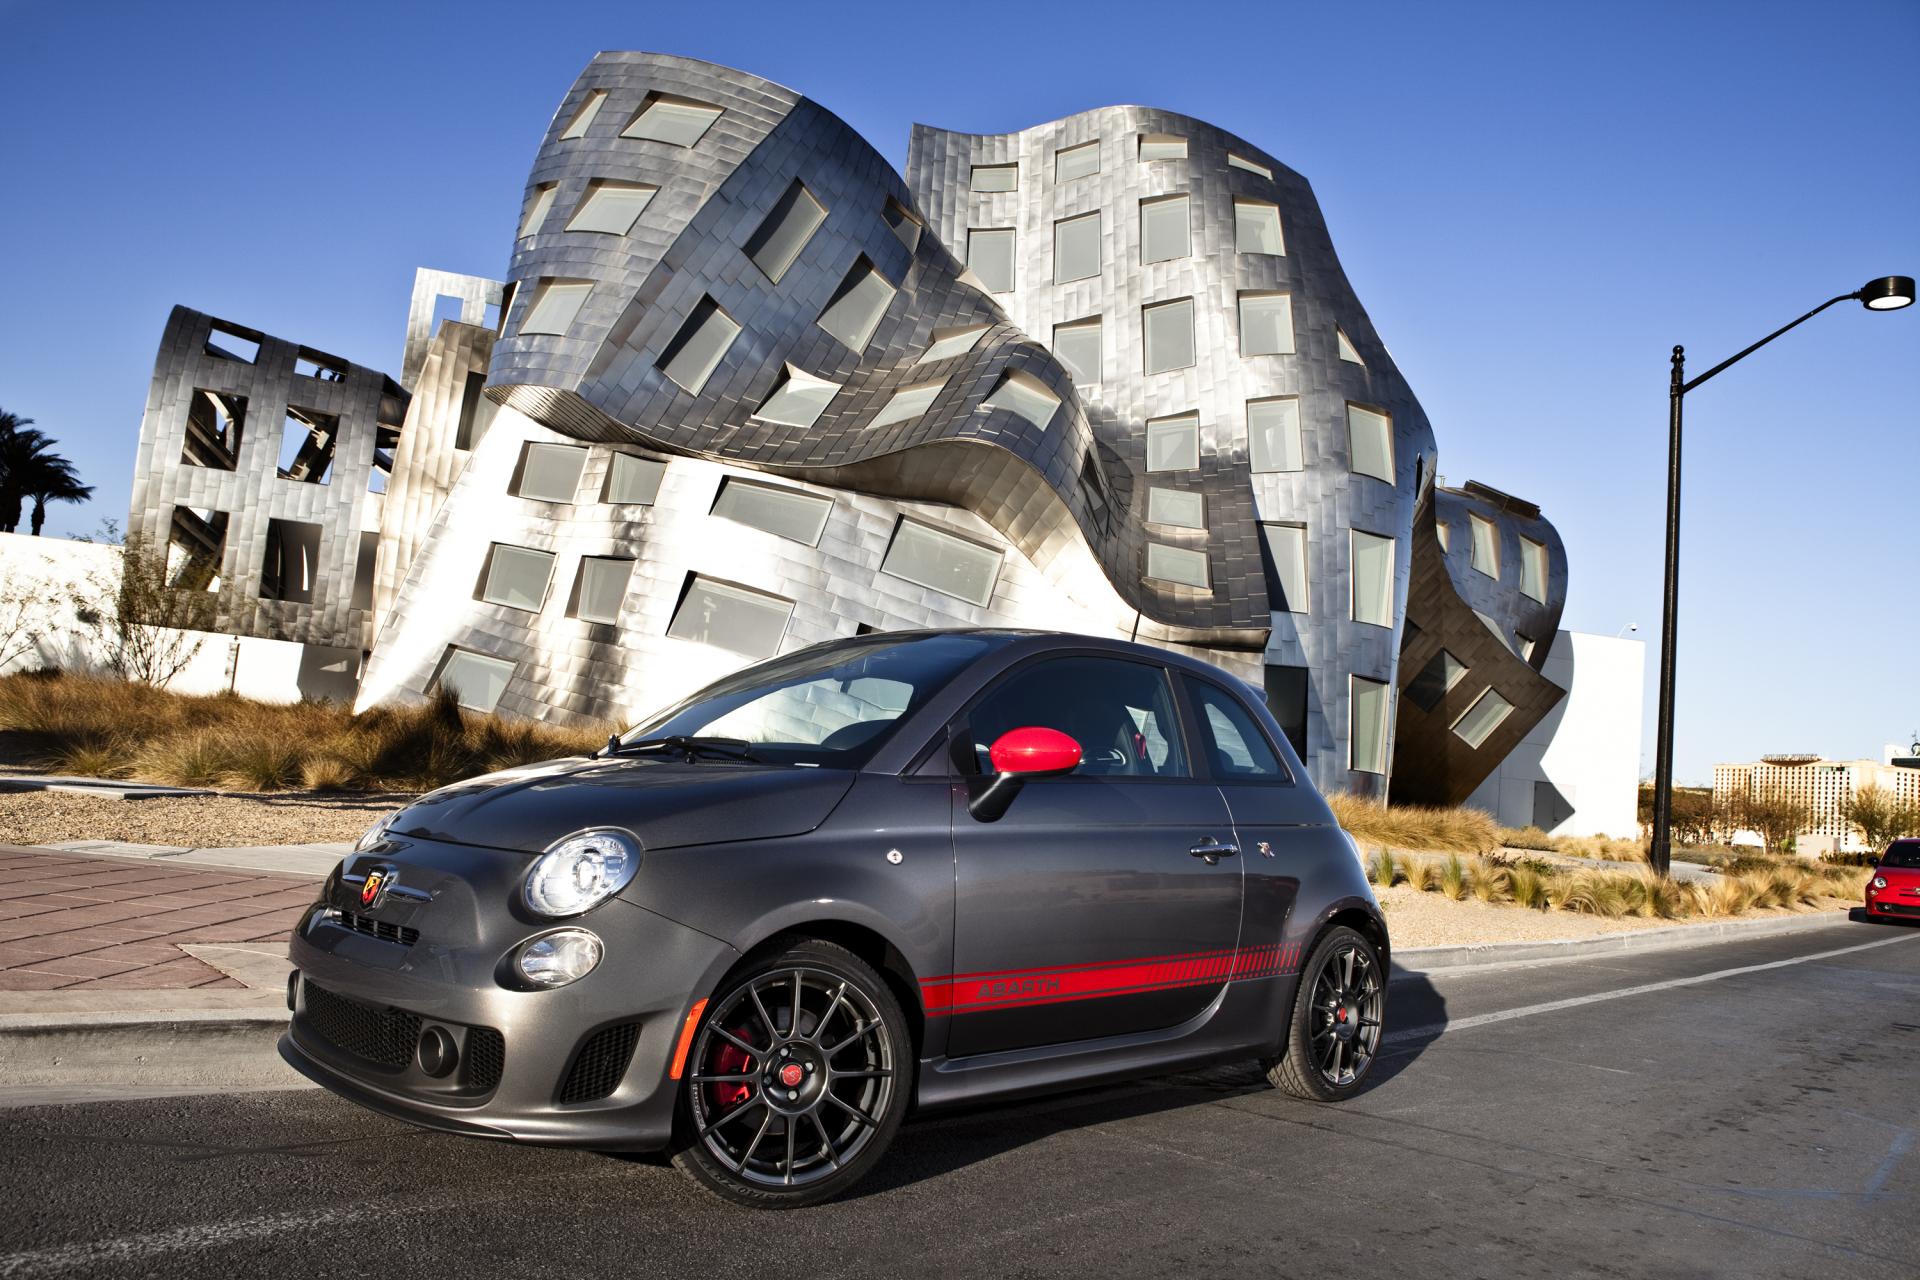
(1889,293)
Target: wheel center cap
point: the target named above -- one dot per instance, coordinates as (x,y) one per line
(1340,1014)
(791,1075)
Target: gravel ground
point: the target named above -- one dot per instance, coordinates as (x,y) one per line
(1420,919)
(201,822)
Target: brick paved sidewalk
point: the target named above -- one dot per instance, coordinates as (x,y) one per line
(72,922)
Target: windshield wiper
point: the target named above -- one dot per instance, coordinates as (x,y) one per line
(693,746)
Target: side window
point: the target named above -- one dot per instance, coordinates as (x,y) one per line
(1120,712)
(1236,747)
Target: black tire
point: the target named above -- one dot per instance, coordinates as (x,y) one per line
(748,1137)
(1339,1015)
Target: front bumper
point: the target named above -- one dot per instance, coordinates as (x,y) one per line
(582,1065)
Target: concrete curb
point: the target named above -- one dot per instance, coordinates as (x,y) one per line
(121,1054)
(1486,955)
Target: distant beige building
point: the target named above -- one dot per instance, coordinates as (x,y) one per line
(1824,786)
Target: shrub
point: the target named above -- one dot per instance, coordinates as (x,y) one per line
(1434,830)
(1492,882)
(1527,885)
(1453,877)
(1382,870)
(1850,858)
(1420,873)
(1528,838)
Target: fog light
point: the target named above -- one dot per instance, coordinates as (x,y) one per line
(559,958)
(438,1053)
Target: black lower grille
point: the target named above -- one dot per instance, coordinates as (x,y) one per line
(385,930)
(384,1037)
(486,1056)
(1899,908)
(599,1063)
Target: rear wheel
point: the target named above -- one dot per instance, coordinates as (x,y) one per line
(797,1080)
(1338,1014)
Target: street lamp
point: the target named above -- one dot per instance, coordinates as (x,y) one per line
(1889,293)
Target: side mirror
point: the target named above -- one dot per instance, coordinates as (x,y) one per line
(1017,755)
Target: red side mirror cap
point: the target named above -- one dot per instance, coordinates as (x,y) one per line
(1034,750)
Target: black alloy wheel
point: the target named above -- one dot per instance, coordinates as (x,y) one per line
(797,1080)
(1338,1016)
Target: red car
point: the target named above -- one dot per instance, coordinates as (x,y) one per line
(1895,887)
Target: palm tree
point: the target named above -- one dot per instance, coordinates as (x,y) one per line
(29,468)
(53,481)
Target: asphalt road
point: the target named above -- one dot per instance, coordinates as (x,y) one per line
(1745,1109)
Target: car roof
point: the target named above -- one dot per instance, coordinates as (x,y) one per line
(1033,640)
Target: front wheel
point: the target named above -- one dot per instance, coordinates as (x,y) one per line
(798,1079)
(1338,1013)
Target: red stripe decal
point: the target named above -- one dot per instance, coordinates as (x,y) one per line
(1021,988)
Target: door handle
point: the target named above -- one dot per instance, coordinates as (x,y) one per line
(1212,850)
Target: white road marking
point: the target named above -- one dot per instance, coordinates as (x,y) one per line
(1574,1002)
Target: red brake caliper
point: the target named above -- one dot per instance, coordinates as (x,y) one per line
(730,1060)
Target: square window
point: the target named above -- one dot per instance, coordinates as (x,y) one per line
(908,402)
(787,513)
(214,423)
(1241,162)
(555,306)
(1178,565)
(1273,434)
(312,364)
(225,343)
(292,556)
(1287,543)
(589,108)
(1077,346)
(1177,508)
(196,548)
(785,232)
(679,122)
(728,617)
(516,577)
(1169,335)
(1162,146)
(1076,162)
(1486,546)
(996,177)
(697,350)
(1173,444)
(476,680)
(1436,680)
(1367,706)
(611,207)
(902,223)
(799,400)
(1347,351)
(634,480)
(1533,571)
(1026,396)
(1256,228)
(857,306)
(602,588)
(538,208)
(549,472)
(1266,324)
(1478,722)
(307,437)
(1076,248)
(948,343)
(1372,579)
(943,562)
(1370,439)
(1164,230)
(990,257)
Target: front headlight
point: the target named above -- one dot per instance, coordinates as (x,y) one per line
(1879,882)
(375,833)
(559,958)
(581,871)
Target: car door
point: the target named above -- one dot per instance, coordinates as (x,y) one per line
(1083,911)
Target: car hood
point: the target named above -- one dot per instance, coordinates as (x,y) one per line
(665,803)
(1900,877)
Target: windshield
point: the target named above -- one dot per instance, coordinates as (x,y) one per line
(1902,853)
(830,709)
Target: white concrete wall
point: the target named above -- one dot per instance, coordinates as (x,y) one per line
(1587,749)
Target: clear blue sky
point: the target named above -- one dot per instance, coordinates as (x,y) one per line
(1534,202)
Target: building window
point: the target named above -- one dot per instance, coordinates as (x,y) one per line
(292,556)
(943,562)
(196,546)
(1173,444)
(798,401)
(1372,579)
(787,228)
(537,209)
(1443,531)
(1436,680)
(226,343)
(995,177)
(363,566)
(516,577)
(1076,248)
(990,257)
(214,423)
(1287,699)
(324,368)
(728,617)
(601,588)
(473,398)
(475,680)
(1077,346)
(611,207)
(1477,723)
(857,306)
(589,108)
(1287,544)
(948,343)
(1486,545)
(1526,646)
(307,438)
(1177,565)
(1347,351)
(555,306)
(902,223)
(1241,162)
(908,402)
(1164,230)
(1273,434)
(1162,146)
(1076,162)
(787,513)
(1533,570)
(1266,324)
(1022,394)
(679,122)
(697,350)
(1177,508)
(1367,716)
(1370,440)
(635,481)
(1256,228)
(548,472)
(1169,335)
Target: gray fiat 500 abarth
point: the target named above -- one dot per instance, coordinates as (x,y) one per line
(897,872)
